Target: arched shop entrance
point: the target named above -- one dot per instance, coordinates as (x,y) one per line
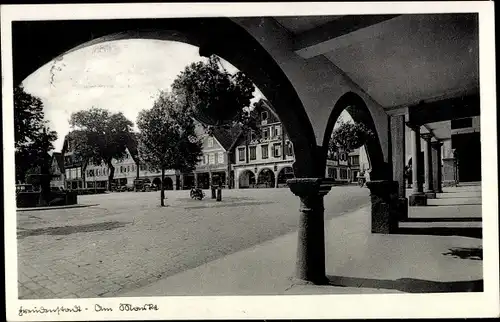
(265,178)
(168,184)
(246,179)
(285,174)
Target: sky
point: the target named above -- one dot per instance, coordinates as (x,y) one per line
(121,76)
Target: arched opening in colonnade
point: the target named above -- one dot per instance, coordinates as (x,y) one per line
(168,184)
(357,109)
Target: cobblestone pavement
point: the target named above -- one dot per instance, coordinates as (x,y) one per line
(128,241)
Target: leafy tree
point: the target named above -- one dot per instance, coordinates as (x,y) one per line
(349,136)
(215,97)
(100,136)
(33,138)
(167,138)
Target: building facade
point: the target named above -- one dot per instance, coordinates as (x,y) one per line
(57,170)
(263,160)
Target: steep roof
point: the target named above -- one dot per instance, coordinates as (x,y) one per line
(227,137)
(60,160)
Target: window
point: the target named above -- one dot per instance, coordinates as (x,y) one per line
(277,130)
(241,154)
(264,116)
(253,136)
(277,150)
(331,173)
(265,151)
(128,168)
(220,158)
(210,142)
(355,160)
(289,149)
(334,172)
(205,159)
(265,133)
(253,152)
(133,167)
(212,158)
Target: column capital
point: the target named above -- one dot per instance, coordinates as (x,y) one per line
(306,187)
(414,127)
(427,136)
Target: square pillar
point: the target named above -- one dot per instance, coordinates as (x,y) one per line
(436,166)
(417,198)
(398,161)
(311,233)
(386,206)
(429,181)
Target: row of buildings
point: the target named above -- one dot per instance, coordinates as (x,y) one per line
(236,158)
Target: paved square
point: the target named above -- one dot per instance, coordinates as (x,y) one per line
(128,241)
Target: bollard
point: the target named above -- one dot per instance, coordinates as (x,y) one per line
(219,194)
(213,192)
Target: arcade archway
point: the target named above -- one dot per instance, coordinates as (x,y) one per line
(266,178)
(358,110)
(168,184)
(246,179)
(284,174)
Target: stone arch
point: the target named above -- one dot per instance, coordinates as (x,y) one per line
(156,181)
(284,175)
(266,177)
(211,35)
(168,184)
(246,179)
(360,113)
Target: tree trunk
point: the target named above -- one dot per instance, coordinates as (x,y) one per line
(162,194)
(111,174)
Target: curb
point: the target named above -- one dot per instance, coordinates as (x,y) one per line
(54,207)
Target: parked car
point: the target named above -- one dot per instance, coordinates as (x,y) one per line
(24,188)
(140,184)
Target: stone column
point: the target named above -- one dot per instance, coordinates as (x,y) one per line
(196,180)
(429,181)
(436,166)
(311,243)
(398,161)
(386,206)
(417,198)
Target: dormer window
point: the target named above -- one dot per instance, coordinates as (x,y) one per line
(263,117)
(210,142)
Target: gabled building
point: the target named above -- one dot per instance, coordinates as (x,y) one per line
(73,166)
(265,160)
(57,170)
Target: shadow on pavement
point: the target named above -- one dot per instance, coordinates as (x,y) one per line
(68,230)
(408,285)
(466,253)
(471,232)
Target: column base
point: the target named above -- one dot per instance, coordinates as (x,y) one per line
(403,209)
(430,194)
(385,206)
(419,199)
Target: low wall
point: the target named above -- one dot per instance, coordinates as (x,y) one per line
(30,199)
